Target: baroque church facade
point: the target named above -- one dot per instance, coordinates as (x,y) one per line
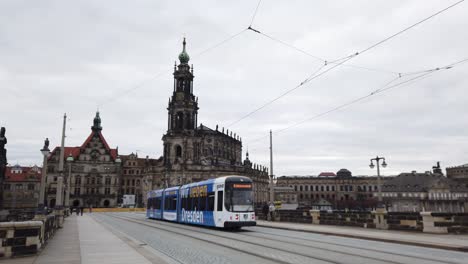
(192,152)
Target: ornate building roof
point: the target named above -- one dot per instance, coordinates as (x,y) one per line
(19,173)
(421,182)
(96,131)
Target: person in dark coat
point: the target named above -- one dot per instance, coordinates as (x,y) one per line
(265,210)
(81,210)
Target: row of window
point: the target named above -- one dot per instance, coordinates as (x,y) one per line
(133,181)
(327,196)
(19,186)
(205,203)
(327,188)
(77,191)
(131,172)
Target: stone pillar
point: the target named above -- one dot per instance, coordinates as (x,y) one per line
(59,201)
(379,218)
(315,216)
(429,223)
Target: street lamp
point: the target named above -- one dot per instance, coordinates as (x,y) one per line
(118,161)
(67,196)
(45,152)
(379,185)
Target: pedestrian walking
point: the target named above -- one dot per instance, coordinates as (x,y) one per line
(272,211)
(90,209)
(81,210)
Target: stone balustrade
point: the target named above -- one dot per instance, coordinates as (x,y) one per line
(20,238)
(26,237)
(429,222)
(443,223)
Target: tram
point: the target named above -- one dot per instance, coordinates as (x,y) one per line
(225,202)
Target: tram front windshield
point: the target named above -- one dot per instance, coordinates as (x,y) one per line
(239,197)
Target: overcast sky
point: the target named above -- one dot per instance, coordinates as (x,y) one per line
(78,56)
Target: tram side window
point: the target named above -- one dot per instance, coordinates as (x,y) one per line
(189,204)
(220,201)
(166,203)
(195,204)
(150,202)
(211,198)
(202,203)
(157,203)
(174,203)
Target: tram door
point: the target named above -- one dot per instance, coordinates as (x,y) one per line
(218,212)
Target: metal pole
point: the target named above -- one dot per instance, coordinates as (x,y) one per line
(67,195)
(43,184)
(379,186)
(59,195)
(272,191)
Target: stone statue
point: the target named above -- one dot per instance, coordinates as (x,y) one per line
(3,152)
(3,139)
(46,144)
(3,162)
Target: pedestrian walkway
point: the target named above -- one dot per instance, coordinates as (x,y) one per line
(441,241)
(83,240)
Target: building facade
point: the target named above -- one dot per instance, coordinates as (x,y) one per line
(95,171)
(419,192)
(341,191)
(458,173)
(21,187)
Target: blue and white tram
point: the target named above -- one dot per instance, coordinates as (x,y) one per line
(225,202)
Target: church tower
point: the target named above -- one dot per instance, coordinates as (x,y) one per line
(183,105)
(182,113)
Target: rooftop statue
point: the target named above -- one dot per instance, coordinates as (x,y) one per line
(3,152)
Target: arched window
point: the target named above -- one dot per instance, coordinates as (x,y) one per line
(178,151)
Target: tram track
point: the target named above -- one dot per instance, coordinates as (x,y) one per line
(249,234)
(173,230)
(254,234)
(392,253)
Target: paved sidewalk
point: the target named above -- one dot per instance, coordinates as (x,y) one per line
(441,241)
(83,240)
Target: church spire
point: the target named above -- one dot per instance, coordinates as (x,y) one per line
(183,56)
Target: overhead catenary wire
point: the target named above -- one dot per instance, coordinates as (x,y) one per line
(387,86)
(255,13)
(342,60)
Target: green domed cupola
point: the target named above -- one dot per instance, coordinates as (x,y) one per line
(183,56)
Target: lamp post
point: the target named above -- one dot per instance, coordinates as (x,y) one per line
(45,152)
(67,195)
(379,185)
(118,162)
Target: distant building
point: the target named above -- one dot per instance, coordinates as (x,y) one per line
(137,176)
(21,187)
(458,173)
(416,192)
(342,190)
(287,196)
(95,174)
(327,174)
